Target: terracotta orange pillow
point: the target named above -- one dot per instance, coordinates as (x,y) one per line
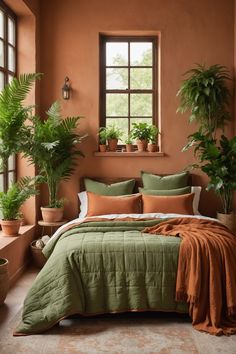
(178,204)
(102,204)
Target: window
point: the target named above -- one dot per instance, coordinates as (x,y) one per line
(128,81)
(7,72)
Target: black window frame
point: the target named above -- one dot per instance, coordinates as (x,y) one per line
(103,90)
(6,171)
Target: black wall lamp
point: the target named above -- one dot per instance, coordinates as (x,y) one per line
(66,89)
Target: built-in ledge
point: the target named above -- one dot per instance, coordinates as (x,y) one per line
(129,154)
(17,250)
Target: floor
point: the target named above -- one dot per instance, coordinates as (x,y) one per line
(114,334)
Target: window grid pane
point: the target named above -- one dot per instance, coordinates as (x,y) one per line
(8,64)
(129,89)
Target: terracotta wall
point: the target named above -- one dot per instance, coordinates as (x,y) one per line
(191,31)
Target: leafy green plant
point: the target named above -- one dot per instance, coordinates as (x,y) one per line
(154,131)
(206,95)
(102,136)
(141,131)
(218,161)
(52,145)
(13,114)
(17,194)
(129,140)
(113,132)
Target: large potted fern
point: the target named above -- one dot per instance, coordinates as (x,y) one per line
(11,202)
(13,114)
(52,145)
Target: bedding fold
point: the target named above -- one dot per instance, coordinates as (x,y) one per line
(206,276)
(100,267)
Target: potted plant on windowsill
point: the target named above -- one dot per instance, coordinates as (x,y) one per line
(11,202)
(102,139)
(113,134)
(141,132)
(129,143)
(152,145)
(52,145)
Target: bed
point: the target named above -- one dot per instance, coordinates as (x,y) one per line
(105,264)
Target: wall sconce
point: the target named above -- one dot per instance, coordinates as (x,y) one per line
(66,89)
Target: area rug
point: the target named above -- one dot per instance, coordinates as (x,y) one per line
(146,333)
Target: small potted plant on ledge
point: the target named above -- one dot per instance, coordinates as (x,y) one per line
(141,132)
(102,139)
(113,134)
(152,145)
(52,145)
(129,143)
(12,200)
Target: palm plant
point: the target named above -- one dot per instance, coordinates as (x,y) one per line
(13,114)
(205,94)
(52,147)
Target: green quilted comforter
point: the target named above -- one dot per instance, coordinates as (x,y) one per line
(103,267)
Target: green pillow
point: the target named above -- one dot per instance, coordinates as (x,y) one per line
(120,188)
(176,181)
(178,191)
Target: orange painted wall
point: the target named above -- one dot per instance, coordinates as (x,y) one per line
(191,31)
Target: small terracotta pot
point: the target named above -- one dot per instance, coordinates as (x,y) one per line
(152,147)
(52,214)
(228,220)
(112,144)
(4,279)
(129,147)
(11,227)
(102,148)
(142,145)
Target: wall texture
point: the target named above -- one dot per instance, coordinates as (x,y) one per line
(191,32)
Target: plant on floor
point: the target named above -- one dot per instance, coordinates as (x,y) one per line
(206,95)
(52,145)
(218,160)
(12,200)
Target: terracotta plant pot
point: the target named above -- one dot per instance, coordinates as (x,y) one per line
(11,227)
(129,147)
(142,145)
(52,214)
(112,144)
(4,279)
(152,147)
(228,220)
(102,148)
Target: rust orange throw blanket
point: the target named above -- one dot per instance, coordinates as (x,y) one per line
(206,276)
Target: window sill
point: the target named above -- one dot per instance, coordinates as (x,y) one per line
(128,154)
(5,241)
